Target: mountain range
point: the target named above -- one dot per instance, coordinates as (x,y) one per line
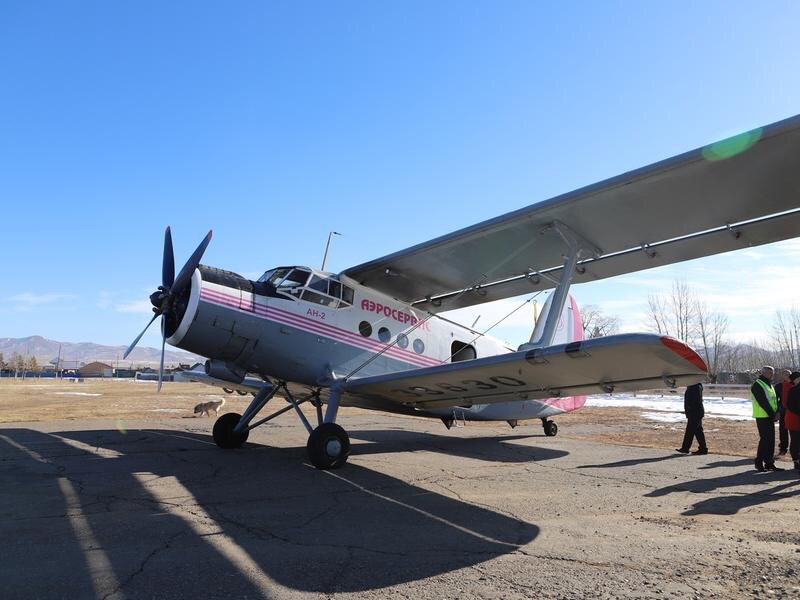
(46,350)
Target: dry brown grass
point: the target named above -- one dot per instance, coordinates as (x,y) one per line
(48,399)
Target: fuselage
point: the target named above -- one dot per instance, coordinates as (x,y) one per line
(301,325)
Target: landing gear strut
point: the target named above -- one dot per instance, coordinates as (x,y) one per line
(328,444)
(550,427)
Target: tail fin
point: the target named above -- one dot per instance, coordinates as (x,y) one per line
(569,328)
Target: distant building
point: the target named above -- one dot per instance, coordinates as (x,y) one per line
(96,369)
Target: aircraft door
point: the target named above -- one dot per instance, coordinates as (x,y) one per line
(461,351)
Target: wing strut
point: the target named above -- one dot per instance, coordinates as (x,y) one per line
(579,248)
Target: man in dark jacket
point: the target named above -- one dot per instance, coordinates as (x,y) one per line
(782,392)
(793,418)
(693,409)
(765,412)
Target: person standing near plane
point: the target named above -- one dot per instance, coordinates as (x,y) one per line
(765,412)
(792,419)
(782,392)
(693,409)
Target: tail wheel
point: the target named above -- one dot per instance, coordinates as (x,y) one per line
(224,435)
(550,428)
(328,446)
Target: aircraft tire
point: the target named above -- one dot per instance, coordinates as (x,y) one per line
(328,446)
(241,393)
(227,390)
(550,428)
(223,433)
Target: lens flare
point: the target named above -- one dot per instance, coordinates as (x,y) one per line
(731,146)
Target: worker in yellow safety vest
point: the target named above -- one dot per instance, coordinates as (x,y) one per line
(765,412)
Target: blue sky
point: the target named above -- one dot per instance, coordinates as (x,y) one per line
(273,123)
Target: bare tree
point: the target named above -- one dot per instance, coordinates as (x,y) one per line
(18,364)
(711,328)
(657,314)
(674,314)
(32,365)
(786,336)
(596,323)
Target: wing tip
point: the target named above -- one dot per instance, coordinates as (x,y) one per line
(685,352)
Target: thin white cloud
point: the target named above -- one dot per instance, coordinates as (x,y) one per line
(27,301)
(135,306)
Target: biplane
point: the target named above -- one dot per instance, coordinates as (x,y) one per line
(377,336)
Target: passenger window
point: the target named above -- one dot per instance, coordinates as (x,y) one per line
(419,346)
(402,340)
(384,334)
(365,329)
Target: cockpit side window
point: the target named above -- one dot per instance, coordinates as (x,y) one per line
(318,284)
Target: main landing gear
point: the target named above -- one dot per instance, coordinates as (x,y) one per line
(328,444)
(550,427)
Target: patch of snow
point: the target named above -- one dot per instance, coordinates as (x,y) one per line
(76,394)
(736,409)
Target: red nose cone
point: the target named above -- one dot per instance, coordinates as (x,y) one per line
(684,351)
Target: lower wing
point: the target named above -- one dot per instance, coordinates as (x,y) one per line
(619,363)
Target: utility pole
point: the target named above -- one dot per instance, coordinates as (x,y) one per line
(327,247)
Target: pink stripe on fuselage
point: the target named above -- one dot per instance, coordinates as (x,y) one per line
(314,326)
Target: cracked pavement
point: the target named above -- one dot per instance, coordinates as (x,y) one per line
(156,510)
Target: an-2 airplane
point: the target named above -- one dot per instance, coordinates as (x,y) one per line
(373,337)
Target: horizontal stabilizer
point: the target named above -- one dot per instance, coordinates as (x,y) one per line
(618,363)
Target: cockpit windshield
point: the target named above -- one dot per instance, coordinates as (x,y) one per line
(286,277)
(297,282)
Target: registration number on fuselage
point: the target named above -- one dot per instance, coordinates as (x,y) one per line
(465,385)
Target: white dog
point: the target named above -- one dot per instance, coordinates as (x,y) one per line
(205,408)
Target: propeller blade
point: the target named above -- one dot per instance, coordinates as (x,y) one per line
(161,367)
(183,278)
(138,337)
(168,261)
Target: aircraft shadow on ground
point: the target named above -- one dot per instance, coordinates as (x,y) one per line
(632,462)
(490,448)
(773,486)
(182,513)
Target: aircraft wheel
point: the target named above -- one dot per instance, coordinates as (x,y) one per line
(227,390)
(550,428)
(223,433)
(241,393)
(328,446)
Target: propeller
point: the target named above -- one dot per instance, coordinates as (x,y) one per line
(171,288)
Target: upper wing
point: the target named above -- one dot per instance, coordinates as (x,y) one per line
(722,197)
(625,362)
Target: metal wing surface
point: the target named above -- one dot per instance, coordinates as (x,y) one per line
(740,192)
(615,363)
(248,384)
